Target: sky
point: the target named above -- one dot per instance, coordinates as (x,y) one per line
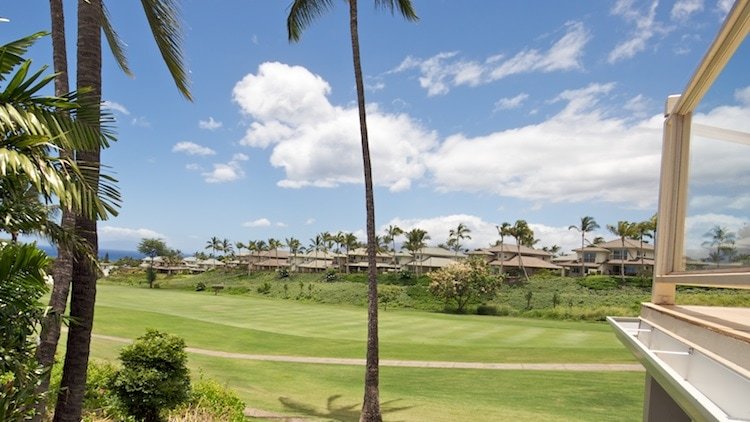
(479,113)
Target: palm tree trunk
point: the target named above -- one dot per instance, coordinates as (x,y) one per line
(72,385)
(62,270)
(622,262)
(520,261)
(583,253)
(371,403)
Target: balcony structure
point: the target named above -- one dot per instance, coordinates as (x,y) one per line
(697,357)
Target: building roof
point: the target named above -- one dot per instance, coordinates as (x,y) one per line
(329,256)
(319,263)
(363,252)
(528,262)
(565,258)
(480,252)
(439,252)
(363,264)
(273,262)
(593,248)
(513,248)
(433,262)
(629,243)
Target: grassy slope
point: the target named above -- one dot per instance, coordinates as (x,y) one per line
(257,325)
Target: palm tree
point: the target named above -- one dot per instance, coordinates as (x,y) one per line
(301,14)
(623,229)
(644,229)
(162,16)
(721,238)
(240,246)
(316,244)
(415,241)
(588,224)
(523,234)
(392,232)
(503,230)
(274,245)
(456,235)
(294,246)
(214,243)
(226,247)
(349,242)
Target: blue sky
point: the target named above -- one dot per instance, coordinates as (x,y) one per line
(481,112)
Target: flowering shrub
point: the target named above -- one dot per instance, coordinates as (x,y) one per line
(464,283)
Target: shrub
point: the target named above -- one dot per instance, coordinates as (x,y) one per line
(487,310)
(264,288)
(153,377)
(330,275)
(598,282)
(282,272)
(150,276)
(212,401)
(200,286)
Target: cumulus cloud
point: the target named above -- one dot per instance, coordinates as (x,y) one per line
(192,148)
(226,172)
(579,154)
(140,121)
(510,103)
(209,124)
(698,226)
(645,28)
(446,69)
(116,107)
(110,233)
(723,7)
(316,142)
(261,222)
(309,221)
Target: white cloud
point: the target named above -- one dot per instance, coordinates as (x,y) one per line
(140,121)
(440,72)
(317,143)
(192,148)
(511,103)
(116,107)
(309,221)
(110,233)
(193,167)
(261,222)
(281,224)
(226,172)
(683,9)
(646,27)
(723,7)
(209,124)
(579,154)
(697,227)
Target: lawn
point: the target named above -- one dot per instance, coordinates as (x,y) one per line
(331,392)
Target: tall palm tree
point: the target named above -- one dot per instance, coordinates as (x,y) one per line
(252,246)
(163,18)
(523,234)
(456,235)
(644,229)
(588,224)
(274,245)
(240,246)
(214,243)
(503,230)
(623,229)
(316,244)
(301,14)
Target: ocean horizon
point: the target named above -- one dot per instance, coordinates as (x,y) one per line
(112,254)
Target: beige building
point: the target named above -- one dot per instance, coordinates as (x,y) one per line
(607,257)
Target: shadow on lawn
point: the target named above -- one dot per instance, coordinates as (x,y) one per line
(337,412)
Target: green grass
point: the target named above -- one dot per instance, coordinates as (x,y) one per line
(328,392)
(268,326)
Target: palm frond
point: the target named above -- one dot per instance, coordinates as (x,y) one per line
(404,7)
(302,13)
(11,54)
(166,25)
(114,41)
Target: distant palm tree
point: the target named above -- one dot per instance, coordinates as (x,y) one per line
(588,224)
(252,246)
(456,235)
(301,14)
(415,242)
(294,247)
(274,245)
(349,242)
(523,234)
(226,247)
(316,244)
(623,229)
(719,237)
(503,230)
(642,230)
(214,244)
(392,232)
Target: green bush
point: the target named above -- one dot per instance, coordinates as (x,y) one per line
(154,376)
(216,401)
(282,272)
(200,286)
(487,310)
(330,275)
(264,288)
(598,282)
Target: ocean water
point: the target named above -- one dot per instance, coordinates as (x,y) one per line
(114,254)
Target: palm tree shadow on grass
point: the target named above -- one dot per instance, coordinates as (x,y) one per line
(336,412)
